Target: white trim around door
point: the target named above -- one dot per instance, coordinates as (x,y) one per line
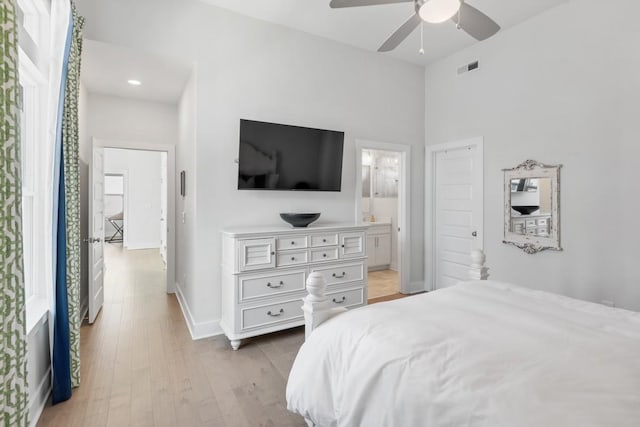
(404,203)
(171,196)
(430,200)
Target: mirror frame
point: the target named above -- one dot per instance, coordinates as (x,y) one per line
(532,244)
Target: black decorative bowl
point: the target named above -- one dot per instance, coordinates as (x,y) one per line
(299,219)
(525,210)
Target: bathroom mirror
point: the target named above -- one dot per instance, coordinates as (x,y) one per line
(532,206)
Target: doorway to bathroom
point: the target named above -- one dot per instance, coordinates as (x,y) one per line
(382,203)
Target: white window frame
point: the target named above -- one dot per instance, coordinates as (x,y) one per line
(35,18)
(34,81)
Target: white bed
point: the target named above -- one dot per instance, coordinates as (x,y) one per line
(480,353)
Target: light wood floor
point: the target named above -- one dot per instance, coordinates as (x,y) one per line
(141,368)
(382,283)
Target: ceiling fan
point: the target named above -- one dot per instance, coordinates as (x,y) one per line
(466,17)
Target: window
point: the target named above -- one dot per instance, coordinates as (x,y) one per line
(31,133)
(32,18)
(33,27)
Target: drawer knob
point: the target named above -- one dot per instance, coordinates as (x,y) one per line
(339,277)
(273,253)
(279,285)
(324,255)
(269,313)
(324,240)
(340,301)
(293,258)
(293,243)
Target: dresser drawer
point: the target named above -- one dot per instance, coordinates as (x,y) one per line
(518,228)
(342,273)
(269,314)
(271,284)
(292,258)
(291,242)
(324,254)
(319,240)
(347,298)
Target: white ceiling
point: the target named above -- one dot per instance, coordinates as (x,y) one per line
(107,67)
(368,27)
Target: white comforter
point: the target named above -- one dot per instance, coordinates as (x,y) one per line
(476,354)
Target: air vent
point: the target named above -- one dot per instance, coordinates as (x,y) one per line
(472,66)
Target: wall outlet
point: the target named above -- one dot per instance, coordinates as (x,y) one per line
(608,303)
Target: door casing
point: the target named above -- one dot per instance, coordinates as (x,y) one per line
(171,195)
(430,202)
(404,204)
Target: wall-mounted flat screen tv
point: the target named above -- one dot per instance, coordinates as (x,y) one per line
(283,157)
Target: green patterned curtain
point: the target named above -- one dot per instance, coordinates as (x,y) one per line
(71,154)
(14,399)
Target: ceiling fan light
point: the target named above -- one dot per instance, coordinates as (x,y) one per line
(437,11)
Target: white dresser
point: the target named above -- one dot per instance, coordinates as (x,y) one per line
(264,271)
(537,225)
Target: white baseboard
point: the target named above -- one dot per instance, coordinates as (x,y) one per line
(393,267)
(198,330)
(39,399)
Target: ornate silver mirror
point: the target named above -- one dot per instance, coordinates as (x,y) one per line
(532,206)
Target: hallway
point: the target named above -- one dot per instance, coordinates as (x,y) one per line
(141,368)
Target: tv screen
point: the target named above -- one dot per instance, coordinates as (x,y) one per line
(283,157)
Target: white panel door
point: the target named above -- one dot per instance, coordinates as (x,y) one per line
(458,212)
(383,249)
(163,207)
(96,233)
(371,251)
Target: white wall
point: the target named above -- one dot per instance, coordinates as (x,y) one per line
(251,69)
(186,206)
(560,88)
(123,119)
(142,194)
(38,368)
(114,118)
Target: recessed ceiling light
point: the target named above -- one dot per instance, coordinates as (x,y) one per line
(134,82)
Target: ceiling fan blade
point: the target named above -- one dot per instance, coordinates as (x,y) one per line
(336,4)
(475,23)
(401,33)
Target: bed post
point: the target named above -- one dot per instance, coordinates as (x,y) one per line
(477,270)
(316,304)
